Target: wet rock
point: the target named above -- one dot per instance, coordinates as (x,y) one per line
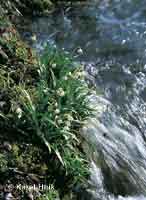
(8,196)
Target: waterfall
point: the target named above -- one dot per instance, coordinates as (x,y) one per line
(118,153)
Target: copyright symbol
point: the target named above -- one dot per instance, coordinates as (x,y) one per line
(10,187)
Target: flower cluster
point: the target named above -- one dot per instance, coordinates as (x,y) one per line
(19,112)
(60,92)
(54,65)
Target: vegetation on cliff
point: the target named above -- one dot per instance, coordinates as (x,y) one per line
(43,105)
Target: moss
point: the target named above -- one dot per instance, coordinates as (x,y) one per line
(18,65)
(24,164)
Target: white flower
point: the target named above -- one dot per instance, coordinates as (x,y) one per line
(123,41)
(65,78)
(67,123)
(56,104)
(60,92)
(69,117)
(34,38)
(80,51)
(54,65)
(45,90)
(83,73)
(79,74)
(59,121)
(66,58)
(66,128)
(69,74)
(57,111)
(56,117)
(19,112)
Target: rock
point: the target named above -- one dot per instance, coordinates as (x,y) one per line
(8,196)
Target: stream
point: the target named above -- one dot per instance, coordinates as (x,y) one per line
(109,38)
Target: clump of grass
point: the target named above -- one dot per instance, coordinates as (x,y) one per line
(45,102)
(52,113)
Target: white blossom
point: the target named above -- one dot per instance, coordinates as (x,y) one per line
(56,104)
(34,38)
(57,111)
(19,112)
(54,65)
(69,74)
(80,51)
(66,128)
(65,78)
(56,117)
(67,123)
(69,117)
(59,121)
(60,92)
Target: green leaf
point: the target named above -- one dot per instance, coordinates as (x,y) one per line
(59,156)
(3,116)
(47,144)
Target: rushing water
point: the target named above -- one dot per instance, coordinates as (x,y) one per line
(112,35)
